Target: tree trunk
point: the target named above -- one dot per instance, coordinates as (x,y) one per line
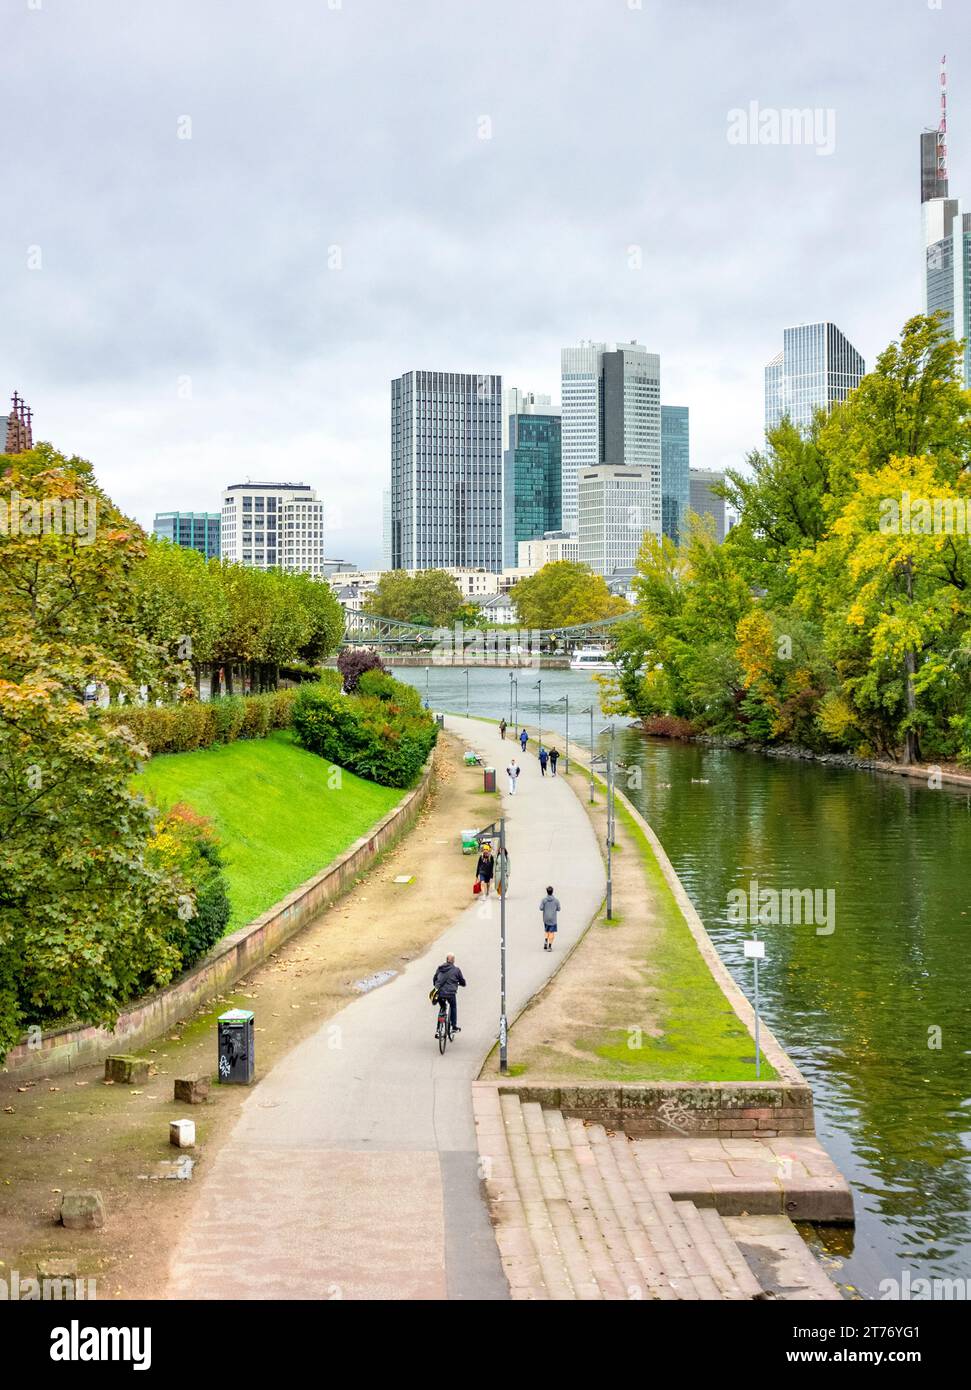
(229,680)
(911,740)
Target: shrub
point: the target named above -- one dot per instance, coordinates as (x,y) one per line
(668,726)
(353,662)
(185,846)
(184,728)
(383,686)
(372,737)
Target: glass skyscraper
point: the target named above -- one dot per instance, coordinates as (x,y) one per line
(946,234)
(191,530)
(675,465)
(532,482)
(817,367)
(446,471)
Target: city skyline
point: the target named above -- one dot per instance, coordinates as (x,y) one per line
(265,313)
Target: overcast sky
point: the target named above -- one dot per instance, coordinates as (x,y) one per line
(234,304)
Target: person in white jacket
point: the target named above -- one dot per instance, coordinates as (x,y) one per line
(512,772)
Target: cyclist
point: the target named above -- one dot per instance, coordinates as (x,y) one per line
(448,978)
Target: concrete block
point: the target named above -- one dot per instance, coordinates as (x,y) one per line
(82,1211)
(182,1133)
(128,1070)
(191,1090)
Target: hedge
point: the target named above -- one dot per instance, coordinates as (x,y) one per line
(186,727)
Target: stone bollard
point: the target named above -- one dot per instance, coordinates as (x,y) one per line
(127,1070)
(192,1090)
(182,1133)
(82,1211)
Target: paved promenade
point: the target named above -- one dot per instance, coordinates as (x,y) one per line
(353,1169)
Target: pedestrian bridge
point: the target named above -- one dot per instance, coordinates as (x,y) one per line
(372,630)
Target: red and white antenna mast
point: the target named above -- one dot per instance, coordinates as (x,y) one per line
(942,127)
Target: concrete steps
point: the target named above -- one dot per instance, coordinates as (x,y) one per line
(579,1214)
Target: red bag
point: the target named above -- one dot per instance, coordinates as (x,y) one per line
(477,886)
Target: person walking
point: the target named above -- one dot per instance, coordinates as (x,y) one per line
(447,979)
(502,728)
(554,759)
(523,740)
(543,756)
(549,906)
(485,868)
(512,772)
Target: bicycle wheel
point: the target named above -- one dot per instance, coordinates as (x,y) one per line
(442,1031)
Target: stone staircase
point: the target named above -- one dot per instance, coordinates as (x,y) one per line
(579,1213)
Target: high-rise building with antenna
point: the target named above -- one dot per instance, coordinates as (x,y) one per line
(946,236)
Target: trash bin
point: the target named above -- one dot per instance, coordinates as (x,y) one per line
(488,779)
(440,720)
(237,1047)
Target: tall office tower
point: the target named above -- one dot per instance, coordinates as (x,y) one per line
(515,401)
(614,501)
(386,529)
(675,490)
(191,530)
(611,415)
(946,233)
(273,525)
(580,415)
(446,471)
(531,483)
(704,501)
(817,367)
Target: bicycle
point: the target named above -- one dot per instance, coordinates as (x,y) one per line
(444,1031)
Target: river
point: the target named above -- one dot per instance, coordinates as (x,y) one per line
(876,1012)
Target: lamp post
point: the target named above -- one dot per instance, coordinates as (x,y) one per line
(589,711)
(515,723)
(565,699)
(512,677)
(490,833)
(427,669)
(466,692)
(539,686)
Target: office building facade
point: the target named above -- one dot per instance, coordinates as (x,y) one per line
(613,502)
(817,368)
(532,475)
(446,471)
(611,415)
(274,526)
(191,530)
(704,501)
(946,236)
(675,465)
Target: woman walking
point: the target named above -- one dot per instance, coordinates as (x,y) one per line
(543,755)
(502,728)
(485,868)
(502,871)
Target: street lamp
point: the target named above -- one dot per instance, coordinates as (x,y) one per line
(427,669)
(565,699)
(512,677)
(466,692)
(589,710)
(539,686)
(610,821)
(489,833)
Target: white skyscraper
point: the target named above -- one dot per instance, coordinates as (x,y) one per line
(611,414)
(273,526)
(580,415)
(614,502)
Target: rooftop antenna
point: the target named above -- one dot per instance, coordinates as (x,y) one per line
(942,127)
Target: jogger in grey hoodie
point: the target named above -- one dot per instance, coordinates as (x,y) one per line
(549,906)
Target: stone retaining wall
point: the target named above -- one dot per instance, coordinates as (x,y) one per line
(713,1109)
(229,960)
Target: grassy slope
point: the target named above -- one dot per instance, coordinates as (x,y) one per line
(279,821)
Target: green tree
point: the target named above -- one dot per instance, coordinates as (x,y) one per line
(563,594)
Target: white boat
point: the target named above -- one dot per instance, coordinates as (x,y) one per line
(592,659)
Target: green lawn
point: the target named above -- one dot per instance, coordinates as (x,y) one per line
(279,820)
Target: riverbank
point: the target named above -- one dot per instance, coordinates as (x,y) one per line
(930,773)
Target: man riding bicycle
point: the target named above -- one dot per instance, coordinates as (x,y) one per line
(448,978)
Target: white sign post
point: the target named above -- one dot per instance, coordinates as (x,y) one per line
(755,951)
